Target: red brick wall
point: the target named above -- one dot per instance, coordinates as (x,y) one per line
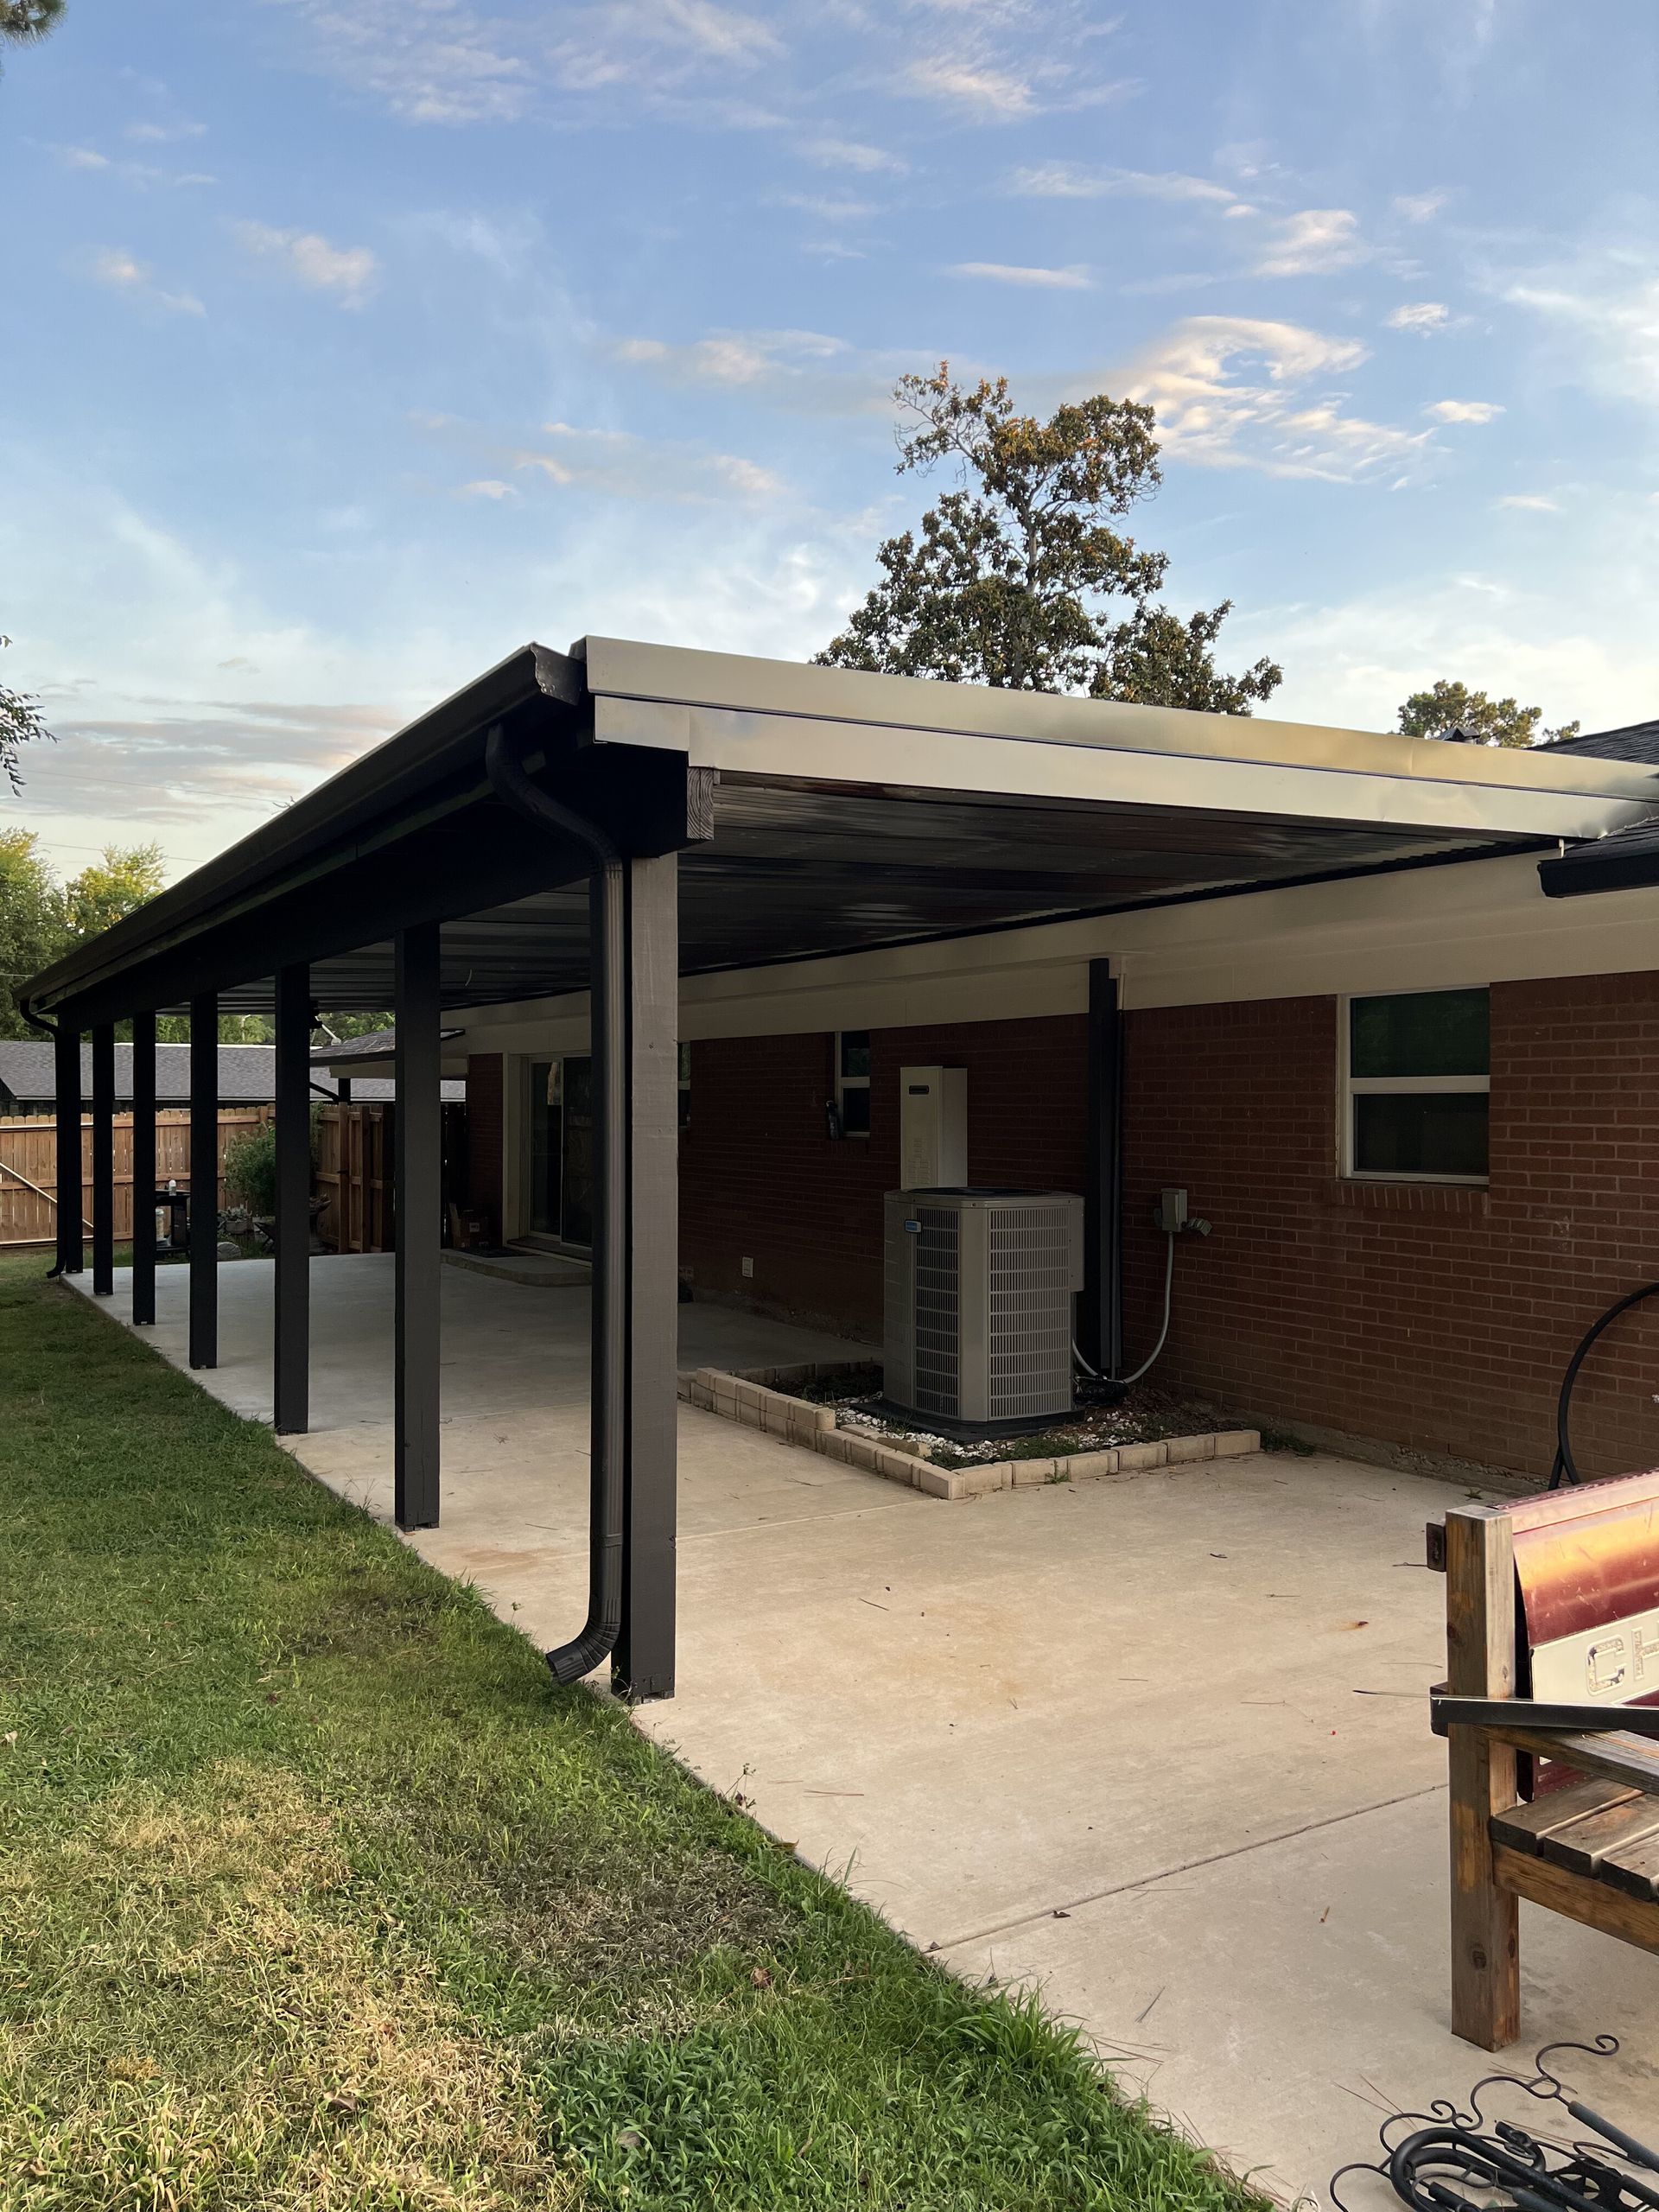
(484,1081)
(760,1178)
(1439,1319)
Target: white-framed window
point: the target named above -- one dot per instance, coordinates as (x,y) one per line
(853,1081)
(1416,1076)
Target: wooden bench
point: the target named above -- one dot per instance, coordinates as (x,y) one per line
(1552,1600)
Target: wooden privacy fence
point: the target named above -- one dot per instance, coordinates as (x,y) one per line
(354,1174)
(28,1167)
(354,1178)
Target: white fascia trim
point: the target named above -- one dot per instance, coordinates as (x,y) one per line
(1430,929)
(775,748)
(741,689)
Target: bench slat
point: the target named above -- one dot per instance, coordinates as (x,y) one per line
(1617,1757)
(1613,1833)
(1633,1868)
(1524,1827)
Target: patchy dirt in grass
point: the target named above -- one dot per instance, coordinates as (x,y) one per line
(275,2046)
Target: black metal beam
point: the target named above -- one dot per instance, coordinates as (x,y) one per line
(457,851)
(417,1206)
(144,1170)
(643,1666)
(103,1161)
(291,1301)
(204,1180)
(66,1054)
(1101,1313)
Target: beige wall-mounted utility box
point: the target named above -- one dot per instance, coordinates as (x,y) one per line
(933,1128)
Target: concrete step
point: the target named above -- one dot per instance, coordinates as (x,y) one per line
(535,1271)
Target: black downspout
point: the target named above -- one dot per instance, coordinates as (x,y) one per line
(1103,1306)
(608,1045)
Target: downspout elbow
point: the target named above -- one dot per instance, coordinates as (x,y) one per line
(598,1636)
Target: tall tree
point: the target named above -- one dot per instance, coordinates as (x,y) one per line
(113,887)
(1446,707)
(21,724)
(34,929)
(22,21)
(1019,580)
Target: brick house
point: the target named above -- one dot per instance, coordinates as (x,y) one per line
(1335,984)
(1411,1273)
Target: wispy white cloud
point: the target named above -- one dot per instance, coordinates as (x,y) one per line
(1601,310)
(347,271)
(1419,206)
(826,208)
(854,154)
(621,466)
(1422,317)
(1312,243)
(1080,180)
(1234,392)
(1530,503)
(163,133)
(1463,411)
(1003,272)
(731,357)
(977,85)
(117,270)
(91,162)
(487,487)
(439,61)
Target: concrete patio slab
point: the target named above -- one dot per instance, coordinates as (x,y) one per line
(1159,1746)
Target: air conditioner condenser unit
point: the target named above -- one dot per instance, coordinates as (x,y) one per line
(980,1292)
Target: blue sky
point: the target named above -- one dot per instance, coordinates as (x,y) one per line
(355,341)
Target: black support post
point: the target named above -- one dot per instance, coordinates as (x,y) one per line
(643,1666)
(103,1159)
(291,1304)
(144,1170)
(67,1059)
(418,1207)
(1101,1318)
(204,1181)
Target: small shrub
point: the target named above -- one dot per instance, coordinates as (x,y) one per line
(250,1171)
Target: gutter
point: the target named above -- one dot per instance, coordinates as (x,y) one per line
(608,1456)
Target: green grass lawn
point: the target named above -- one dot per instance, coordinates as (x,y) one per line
(315,1889)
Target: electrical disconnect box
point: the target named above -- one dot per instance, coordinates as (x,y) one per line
(933,1128)
(1170,1213)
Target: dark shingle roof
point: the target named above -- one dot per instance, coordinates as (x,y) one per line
(247,1075)
(1625,859)
(1637,741)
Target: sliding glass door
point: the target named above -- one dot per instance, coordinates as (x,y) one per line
(561,1150)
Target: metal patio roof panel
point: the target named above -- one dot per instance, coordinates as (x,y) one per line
(848,809)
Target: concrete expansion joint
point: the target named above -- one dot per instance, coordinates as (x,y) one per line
(1068,1905)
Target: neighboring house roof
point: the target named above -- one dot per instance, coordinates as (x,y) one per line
(373,1044)
(1637,741)
(247,1075)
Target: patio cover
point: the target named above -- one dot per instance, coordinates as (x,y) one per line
(817,811)
(623,815)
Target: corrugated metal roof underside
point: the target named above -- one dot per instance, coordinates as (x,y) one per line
(797,870)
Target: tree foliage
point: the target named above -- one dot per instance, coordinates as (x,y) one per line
(23,21)
(41,919)
(1017,578)
(1446,707)
(33,929)
(21,724)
